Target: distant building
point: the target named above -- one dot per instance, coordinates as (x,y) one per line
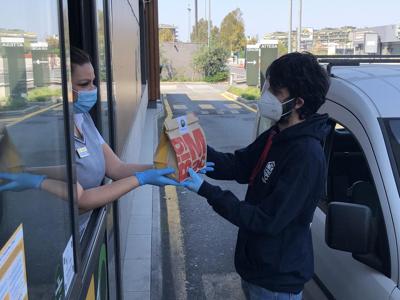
(388,39)
(345,40)
(28,37)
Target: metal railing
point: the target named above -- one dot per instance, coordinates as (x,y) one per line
(356,60)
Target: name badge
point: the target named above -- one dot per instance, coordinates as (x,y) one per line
(82,152)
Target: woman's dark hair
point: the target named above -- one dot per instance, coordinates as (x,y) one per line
(79,57)
(303,76)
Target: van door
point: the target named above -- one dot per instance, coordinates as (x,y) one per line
(354,177)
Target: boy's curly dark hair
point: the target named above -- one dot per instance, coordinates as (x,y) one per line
(302,75)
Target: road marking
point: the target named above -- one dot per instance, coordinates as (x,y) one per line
(203,97)
(229,96)
(176,242)
(168,87)
(233,98)
(175,233)
(205,112)
(206,106)
(167,107)
(220,112)
(35,113)
(233,105)
(202,87)
(180,106)
(234,111)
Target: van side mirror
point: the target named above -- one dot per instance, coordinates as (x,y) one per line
(348,227)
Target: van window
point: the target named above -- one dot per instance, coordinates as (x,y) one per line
(349,180)
(393,135)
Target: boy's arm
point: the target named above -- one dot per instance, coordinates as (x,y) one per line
(238,165)
(293,192)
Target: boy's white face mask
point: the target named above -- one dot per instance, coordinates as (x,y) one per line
(270,107)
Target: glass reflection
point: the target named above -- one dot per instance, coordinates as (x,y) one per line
(32,142)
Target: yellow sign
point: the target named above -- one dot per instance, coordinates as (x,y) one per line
(90,294)
(13,284)
(10,161)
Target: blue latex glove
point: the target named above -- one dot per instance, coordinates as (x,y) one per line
(208,168)
(194,182)
(156,177)
(20,181)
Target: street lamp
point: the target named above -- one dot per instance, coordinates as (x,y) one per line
(189,21)
(299,28)
(209,22)
(290,26)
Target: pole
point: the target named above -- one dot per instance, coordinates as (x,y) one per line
(189,21)
(290,27)
(209,22)
(299,28)
(196,18)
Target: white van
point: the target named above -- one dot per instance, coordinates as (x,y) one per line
(356,229)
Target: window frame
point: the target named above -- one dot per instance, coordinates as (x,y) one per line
(384,123)
(76,284)
(323,205)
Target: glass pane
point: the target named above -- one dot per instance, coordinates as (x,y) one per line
(32,140)
(394,137)
(102,71)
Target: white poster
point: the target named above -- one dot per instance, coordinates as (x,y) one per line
(68,265)
(13,284)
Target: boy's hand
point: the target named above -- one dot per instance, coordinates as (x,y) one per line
(194,182)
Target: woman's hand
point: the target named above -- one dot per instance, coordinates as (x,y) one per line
(156,177)
(20,181)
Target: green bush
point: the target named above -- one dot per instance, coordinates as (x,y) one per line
(211,62)
(249,93)
(43,94)
(13,103)
(220,76)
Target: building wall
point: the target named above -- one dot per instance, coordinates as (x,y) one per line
(127,89)
(177,61)
(130,101)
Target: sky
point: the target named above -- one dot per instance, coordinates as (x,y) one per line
(17,14)
(262,16)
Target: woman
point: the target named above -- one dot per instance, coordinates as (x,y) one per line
(93,156)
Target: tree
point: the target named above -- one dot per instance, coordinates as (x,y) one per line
(282,49)
(252,40)
(212,63)
(232,31)
(202,32)
(165,35)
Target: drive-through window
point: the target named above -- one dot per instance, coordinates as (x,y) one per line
(33,140)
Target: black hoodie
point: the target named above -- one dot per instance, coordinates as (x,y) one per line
(274,246)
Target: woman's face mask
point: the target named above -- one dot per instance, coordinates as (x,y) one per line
(85,92)
(270,107)
(85,101)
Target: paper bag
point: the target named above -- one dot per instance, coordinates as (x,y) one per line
(182,146)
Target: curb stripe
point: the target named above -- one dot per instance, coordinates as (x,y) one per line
(229,96)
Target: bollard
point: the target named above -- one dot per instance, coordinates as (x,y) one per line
(231,79)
